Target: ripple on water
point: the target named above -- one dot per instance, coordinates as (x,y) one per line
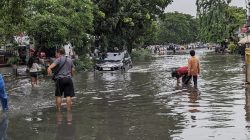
(97,98)
(146,103)
(132,96)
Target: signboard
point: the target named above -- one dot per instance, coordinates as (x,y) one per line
(22,39)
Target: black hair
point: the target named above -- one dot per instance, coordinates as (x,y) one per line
(192,53)
(61,51)
(31,61)
(175,74)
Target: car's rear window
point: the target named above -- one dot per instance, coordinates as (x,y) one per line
(113,57)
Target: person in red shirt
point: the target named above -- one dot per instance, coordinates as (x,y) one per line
(181,72)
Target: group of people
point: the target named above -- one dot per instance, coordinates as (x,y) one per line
(188,72)
(64,70)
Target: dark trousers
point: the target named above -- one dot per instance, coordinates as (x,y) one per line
(184,78)
(194,79)
(3,95)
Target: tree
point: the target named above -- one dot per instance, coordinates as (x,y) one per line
(53,23)
(236,16)
(217,20)
(125,23)
(177,28)
(12,19)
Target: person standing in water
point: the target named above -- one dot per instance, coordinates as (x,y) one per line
(3,95)
(34,68)
(193,68)
(63,78)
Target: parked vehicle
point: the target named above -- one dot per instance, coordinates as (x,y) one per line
(113,61)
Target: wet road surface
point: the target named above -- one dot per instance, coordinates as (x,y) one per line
(144,103)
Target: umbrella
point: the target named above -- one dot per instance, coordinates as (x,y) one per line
(245,40)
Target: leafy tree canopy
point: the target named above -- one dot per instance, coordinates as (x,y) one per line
(55,22)
(122,24)
(12,18)
(218,20)
(177,28)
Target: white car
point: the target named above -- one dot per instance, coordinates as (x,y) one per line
(113,61)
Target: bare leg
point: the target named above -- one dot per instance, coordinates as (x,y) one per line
(58,103)
(36,80)
(68,100)
(33,81)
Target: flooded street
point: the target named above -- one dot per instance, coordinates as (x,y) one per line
(144,103)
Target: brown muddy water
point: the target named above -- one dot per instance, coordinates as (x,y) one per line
(144,103)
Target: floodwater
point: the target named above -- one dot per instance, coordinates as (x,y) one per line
(144,103)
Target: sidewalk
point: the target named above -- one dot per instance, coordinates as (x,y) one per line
(6,70)
(21,70)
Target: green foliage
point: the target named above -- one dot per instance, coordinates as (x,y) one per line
(232,47)
(151,35)
(52,23)
(13,60)
(12,19)
(126,22)
(141,54)
(218,20)
(83,63)
(177,28)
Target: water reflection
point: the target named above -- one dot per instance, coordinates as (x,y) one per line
(193,100)
(65,126)
(3,126)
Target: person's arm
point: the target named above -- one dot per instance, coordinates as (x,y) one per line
(189,66)
(178,80)
(199,70)
(53,65)
(72,69)
(49,70)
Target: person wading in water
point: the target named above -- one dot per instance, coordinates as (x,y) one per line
(63,78)
(181,72)
(193,68)
(3,95)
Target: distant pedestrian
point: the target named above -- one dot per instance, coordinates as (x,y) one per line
(96,52)
(34,68)
(63,78)
(116,49)
(193,68)
(3,95)
(174,49)
(223,46)
(181,72)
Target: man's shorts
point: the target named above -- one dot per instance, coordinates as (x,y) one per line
(33,74)
(64,86)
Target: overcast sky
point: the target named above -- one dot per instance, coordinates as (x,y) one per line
(189,7)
